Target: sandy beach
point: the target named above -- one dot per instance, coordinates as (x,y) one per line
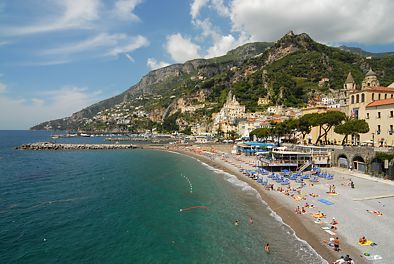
(349,206)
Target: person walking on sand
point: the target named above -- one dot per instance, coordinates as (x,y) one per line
(336,244)
(267,248)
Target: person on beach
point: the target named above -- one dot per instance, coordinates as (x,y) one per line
(336,244)
(333,189)
(362,240)
(334,221)
(348,260)
(267,248)
(351,184)
(341,260)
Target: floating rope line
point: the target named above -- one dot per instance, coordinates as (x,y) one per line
(190,184)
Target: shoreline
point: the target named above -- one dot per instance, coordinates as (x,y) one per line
(304,229)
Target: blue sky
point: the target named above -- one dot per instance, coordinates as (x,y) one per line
(58,56)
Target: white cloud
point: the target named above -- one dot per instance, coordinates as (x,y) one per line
(74,15)
(20,113)
(3,88)
(132,44)
(153,64)
(330,21)
(128,56)
(181,49)
(37,101)
(196,7)
(124,9)
(105,44)
(223,44)
(100,40)
(220,7)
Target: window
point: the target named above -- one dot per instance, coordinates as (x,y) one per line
(391,130)
(352,99)
(378,131)
(392,95)
(367,115)
(362,98)
(373,96)
(385,96)
(357,99)
(391,114)
(378,96)
(378,114)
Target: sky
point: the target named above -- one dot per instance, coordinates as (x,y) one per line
(59,56)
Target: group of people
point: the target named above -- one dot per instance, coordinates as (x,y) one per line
(344,260)
(332,189)
(299,210)
(362,240)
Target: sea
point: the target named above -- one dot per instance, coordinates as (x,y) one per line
(124,206)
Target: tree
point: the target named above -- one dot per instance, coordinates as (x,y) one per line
(304,124)
(232,135)
(261,133)
(326,121)
(286,129)
(351,127)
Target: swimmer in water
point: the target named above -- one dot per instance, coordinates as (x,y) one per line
(250,220)
(236,222)
(267,248)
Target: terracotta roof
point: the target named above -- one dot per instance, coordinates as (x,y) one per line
(379,89)
(381,102)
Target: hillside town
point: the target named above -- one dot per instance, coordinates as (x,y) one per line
(368,101)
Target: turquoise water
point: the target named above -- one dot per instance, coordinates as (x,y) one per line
(123,207)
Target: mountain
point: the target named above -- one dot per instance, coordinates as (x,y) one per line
(364,53)
(181,96)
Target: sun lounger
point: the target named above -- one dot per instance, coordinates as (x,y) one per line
(373,257)
(330,232)
(325,202)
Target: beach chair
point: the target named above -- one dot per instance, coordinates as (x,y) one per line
(285,182)
(314,179)
(329,177)
(293,177)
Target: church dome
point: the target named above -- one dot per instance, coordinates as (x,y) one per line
(370,73)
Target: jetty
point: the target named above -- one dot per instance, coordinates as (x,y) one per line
(57,146)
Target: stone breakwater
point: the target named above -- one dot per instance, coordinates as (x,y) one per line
(55,146)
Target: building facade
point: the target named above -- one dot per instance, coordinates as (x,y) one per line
(372,102)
